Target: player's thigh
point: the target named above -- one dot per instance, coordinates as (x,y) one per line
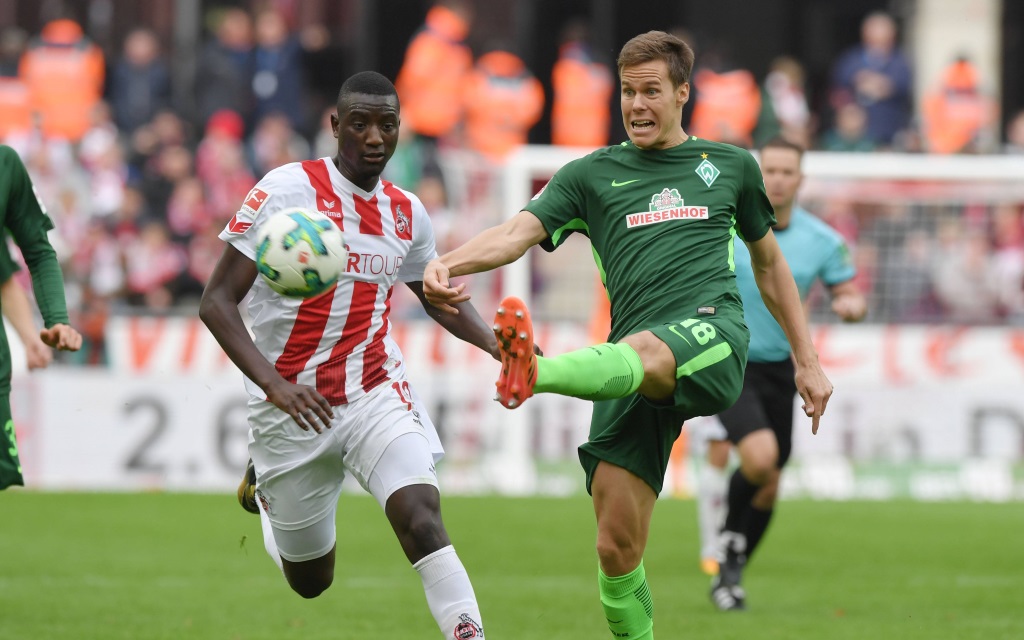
(406,461)
(759,454)
(778,395)
(310,544)
(632,433)
(747,414)
(298,473)
(710,353)
(405,485)
(658,363)
(623,501)
(394,443)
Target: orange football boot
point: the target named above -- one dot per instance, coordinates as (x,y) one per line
(514,331)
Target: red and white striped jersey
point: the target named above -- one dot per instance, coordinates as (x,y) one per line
(340,341)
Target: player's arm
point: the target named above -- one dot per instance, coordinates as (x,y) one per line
(490,249)
(231,280)
(780,295)
(18,311)
(848,302)
(466,325)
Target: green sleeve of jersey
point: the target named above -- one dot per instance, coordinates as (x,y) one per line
(28,223)
(8,267)
(561,205)
(754,213)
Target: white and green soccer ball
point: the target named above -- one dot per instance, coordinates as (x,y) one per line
(300,253)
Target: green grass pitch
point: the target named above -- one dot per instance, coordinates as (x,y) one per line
(154,566)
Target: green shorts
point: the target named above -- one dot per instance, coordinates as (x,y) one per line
(10,466)
(637,434)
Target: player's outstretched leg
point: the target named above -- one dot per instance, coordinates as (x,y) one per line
(514,331)
(599,372)
(247,489)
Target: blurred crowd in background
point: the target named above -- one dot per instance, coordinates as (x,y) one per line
(139,191)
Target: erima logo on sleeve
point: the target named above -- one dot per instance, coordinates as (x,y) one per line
(237,226)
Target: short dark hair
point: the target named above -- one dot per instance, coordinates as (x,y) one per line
(367,83)
(658,45)
(781,142)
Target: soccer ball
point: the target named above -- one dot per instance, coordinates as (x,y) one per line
(300,253)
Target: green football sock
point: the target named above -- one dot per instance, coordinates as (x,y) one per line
(627,604)
(600,372)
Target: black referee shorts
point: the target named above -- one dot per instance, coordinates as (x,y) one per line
(766,402)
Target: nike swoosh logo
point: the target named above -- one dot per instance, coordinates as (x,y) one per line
(675,331)
(616,183)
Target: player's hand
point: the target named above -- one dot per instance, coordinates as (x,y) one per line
(61,337)
(303,403)
(438,290)
(849,308)
(38,355)
(815,389)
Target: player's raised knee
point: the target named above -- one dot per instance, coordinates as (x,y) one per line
(310,589)
(309,579)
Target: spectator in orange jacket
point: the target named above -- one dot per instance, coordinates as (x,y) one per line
(956,113)
(435,67)
(15,107)
(581,112)
(503,101)
(727,100)
(63,71)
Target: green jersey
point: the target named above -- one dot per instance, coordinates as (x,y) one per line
(661,223)
(8,267)
(23,216)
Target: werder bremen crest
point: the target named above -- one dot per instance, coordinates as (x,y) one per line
(707,172)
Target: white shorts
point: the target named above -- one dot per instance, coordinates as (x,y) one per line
(704,428)
(299,473)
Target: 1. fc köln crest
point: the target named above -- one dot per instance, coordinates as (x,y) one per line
(467,628)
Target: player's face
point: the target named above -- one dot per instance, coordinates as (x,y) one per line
(782,176)
(367,131)
(652,109)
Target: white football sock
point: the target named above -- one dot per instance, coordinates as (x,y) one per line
(450,594)
(712,485)
(268,538)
